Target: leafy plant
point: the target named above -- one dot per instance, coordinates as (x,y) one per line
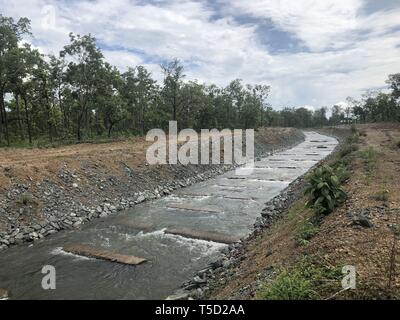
(325,191)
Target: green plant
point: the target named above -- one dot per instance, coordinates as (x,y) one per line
(347,149)
(25,199)
(342,172)
(369,155)
(306,232)
(382,195)
(289,285)
(324,191)
(303,281)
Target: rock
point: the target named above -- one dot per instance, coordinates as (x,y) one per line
(216,264)
(19,236)
(362,221)
(140,199)
(178,296)
(3,294)
(75,185)
(199,280)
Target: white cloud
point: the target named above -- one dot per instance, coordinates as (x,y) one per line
(347,52)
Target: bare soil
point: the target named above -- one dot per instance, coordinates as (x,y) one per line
(373,251)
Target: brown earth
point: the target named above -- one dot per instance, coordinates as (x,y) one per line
(373,251)
(39,185)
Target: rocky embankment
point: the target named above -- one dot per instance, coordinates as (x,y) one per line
(220,272)
(81,189)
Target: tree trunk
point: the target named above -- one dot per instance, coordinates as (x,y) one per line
(4,117)
(20,129)
(28,121)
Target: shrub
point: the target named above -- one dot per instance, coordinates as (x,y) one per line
(324,190)
(342,172)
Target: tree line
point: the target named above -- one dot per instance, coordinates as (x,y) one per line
(78,96)
(376,105)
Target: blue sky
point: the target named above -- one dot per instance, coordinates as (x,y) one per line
(313,53)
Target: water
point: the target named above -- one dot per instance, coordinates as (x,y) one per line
(226,206)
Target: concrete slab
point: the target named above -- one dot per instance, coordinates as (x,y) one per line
(92,252)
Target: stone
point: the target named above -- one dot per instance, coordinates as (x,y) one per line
(3,294)
(362,221)
(199,280)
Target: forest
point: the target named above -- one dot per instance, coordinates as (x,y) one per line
(77,96)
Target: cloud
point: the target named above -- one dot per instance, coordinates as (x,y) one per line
(344,50)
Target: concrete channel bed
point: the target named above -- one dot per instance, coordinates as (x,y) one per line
(173,237)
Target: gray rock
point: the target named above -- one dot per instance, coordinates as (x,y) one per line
(199,280)
(362,221)
(3,294)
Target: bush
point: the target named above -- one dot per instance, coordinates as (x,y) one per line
(324,191)
(342,172)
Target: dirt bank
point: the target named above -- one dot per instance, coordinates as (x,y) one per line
(363,233)
(43,191)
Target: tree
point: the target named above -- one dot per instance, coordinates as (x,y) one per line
(394,83)
(173,76)
(83,76)
(10,33)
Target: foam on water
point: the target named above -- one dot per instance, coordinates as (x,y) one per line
(205,247)
(60,251)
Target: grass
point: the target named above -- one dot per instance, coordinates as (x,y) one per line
(381,195)
(26,199)
(369,155)
(45,143)
(306,232)
(305,280)
(347,150)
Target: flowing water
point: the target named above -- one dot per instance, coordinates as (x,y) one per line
(222,209)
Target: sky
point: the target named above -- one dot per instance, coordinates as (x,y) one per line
(312,53)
